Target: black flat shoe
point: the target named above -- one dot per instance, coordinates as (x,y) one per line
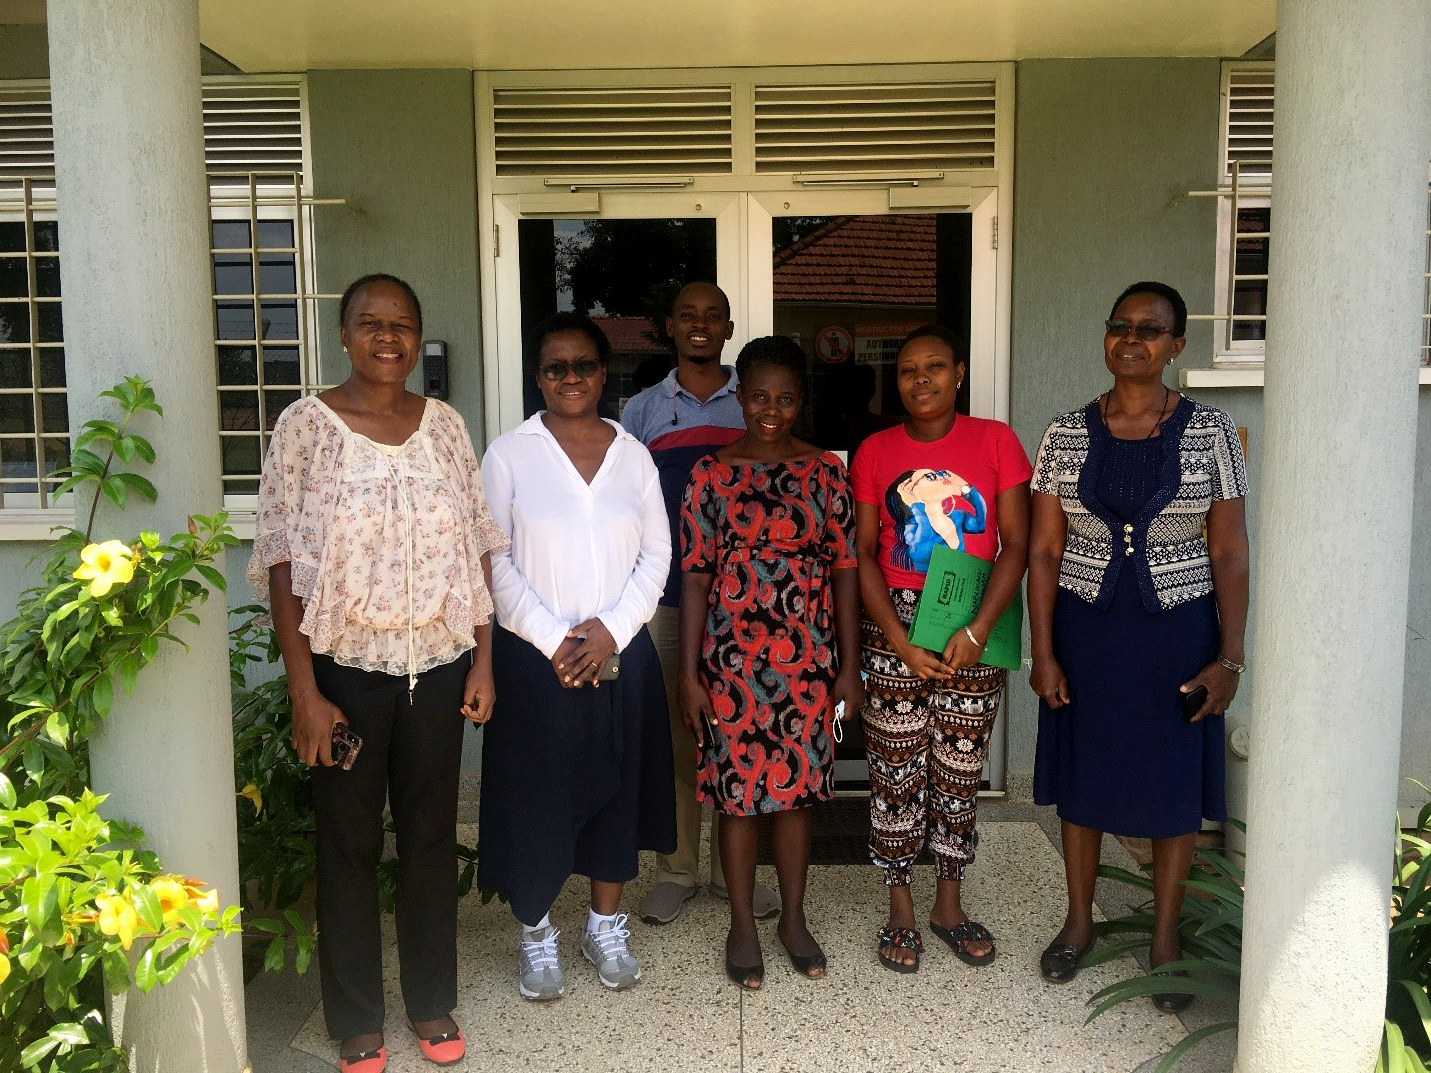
(1059,962)
(1173,1001)
(741,977)
(811,965)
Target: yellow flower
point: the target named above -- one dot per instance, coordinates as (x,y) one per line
(172,895)
(208,902)
(106,565)
(4,968)
(254,794)
(117,917)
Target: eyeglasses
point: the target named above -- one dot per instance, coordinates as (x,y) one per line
(557,371)
(1148,333)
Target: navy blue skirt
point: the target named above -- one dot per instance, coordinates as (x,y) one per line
(1120,757)
(574,781)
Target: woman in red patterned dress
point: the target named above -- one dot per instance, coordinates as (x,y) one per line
(769,642)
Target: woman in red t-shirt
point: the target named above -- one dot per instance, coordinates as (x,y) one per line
(940,478)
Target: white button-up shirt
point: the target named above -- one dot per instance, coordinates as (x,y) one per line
(578,551)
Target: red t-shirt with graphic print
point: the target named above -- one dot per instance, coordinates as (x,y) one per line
(944,491)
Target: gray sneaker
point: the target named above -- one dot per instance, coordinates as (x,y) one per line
(663,902)
(539,976)
(605,948)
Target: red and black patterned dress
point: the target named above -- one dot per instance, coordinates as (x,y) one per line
(773,534)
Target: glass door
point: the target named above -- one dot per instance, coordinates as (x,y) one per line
(845,271)
(620,258)
(847,277)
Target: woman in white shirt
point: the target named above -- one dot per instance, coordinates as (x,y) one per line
(576,765)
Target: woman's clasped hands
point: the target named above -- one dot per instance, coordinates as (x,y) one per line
(583,652)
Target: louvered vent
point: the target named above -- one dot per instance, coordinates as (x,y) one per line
(1247,136)
(253,127)
(874,127)
(248,127)
(634,130)
(27,141)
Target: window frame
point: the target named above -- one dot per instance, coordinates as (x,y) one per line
(1237,191)
(257,196)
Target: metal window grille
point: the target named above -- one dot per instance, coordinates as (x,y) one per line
(265,316)
(1245,163)
(34,413)
(265,327)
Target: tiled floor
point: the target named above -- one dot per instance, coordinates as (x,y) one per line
(685,1016)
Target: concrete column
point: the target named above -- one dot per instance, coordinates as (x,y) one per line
(1348,250)
(135,273)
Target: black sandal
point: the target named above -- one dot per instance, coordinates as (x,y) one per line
(895,938)
(961,935)
(1059,962)
(1172,1001)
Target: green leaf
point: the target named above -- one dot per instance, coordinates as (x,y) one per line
(213,577)
(302,954)
(146,978)
(98,429)
(123,446)
(114,489)
(116,970)
(1191,1040)
(102,694)
(142,485)
(148,906)
(7,792)
(32,1054)
(70,1033)
(274,957)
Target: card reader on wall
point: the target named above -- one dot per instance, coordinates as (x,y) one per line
(434,369)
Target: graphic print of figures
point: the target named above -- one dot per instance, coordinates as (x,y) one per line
(924,506)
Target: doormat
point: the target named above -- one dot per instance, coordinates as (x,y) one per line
(840,834)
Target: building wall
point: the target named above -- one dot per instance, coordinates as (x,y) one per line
(400,147)
(1103,150)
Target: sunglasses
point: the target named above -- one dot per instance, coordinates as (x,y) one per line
(557,371)
(1148,333)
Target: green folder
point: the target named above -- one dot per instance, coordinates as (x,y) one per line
(953,590)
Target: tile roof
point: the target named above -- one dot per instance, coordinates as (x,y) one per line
(877,260)
(631,335)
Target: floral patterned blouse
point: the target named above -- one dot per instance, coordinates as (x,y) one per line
(385,542)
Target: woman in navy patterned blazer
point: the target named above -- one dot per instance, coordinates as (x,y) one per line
(1137,599)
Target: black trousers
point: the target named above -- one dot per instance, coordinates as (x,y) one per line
(410,759)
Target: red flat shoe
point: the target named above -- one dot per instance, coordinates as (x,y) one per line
(367,1062)
(444,1049)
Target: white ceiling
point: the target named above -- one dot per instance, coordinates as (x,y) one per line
(297,35)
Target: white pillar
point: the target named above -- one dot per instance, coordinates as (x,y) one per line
(135,273)
(1348,252)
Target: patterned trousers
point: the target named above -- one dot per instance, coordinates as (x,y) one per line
(926,742)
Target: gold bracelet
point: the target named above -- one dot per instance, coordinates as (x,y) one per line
(1235,668)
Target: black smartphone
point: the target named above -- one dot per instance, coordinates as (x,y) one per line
(1193,701)
(345,746)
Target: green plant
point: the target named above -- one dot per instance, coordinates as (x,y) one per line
(275,826)
(77,891)
(1408,1010)
(1211,932)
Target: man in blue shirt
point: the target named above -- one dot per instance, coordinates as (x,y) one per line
(685,417)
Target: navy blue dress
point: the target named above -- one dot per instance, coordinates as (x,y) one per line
(1120,757)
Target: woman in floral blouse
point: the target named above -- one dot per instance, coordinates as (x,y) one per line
(373,548)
